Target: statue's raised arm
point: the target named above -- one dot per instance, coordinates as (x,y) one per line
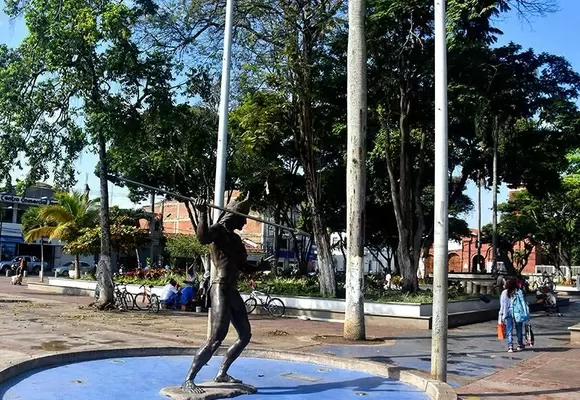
(205,234)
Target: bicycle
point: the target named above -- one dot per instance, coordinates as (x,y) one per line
(147,300)
(273,305)
(122,297)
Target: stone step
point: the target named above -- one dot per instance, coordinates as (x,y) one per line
(574,334)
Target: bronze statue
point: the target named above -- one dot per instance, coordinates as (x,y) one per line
(229,255)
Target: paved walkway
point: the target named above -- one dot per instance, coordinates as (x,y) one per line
(479,366)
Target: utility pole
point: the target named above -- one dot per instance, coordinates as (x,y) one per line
(354,318)
(479,181)
(439,330)
(494,190)
(222,144)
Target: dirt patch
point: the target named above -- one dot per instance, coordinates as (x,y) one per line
(277,332)
(53,345)
(336,339)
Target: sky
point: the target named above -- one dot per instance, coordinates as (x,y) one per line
(552,33)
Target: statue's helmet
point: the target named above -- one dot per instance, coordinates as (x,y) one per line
(239,204)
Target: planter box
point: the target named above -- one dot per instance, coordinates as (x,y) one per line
(409,315)
(385,309)
(91,285)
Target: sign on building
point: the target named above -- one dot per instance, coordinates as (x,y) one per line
(31,201)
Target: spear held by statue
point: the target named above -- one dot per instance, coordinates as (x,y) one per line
(114,178)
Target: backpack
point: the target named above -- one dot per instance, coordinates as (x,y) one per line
(520,308)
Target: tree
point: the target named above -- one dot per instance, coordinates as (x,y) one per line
(489,94)
(175,151)
(126,234)
(549,222)
(283,49)
(64,222)
(185,246)
(80,78)
(266,164)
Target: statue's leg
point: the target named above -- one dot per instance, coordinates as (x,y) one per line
(239,319)
(220,323)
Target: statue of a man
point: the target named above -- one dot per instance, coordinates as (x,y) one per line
(229,255)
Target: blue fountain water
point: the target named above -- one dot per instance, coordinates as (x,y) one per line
(143,377)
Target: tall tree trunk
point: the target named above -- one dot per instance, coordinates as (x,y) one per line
(354,318)
(324,256)
(104,272)
(406,196)
(77,267)
(301,64)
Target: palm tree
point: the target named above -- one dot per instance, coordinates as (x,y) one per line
(64,221)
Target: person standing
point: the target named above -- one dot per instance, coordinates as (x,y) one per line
(506,315)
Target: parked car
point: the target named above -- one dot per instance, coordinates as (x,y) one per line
(70,266)
(32,264)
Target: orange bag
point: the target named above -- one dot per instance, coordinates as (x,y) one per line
(501,331)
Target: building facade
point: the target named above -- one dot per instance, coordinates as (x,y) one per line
(463,257)
(176,220)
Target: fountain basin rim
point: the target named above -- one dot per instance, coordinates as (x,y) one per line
(434,389)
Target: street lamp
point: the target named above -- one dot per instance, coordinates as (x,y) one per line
(44,198)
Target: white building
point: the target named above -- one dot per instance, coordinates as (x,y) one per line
(373,262)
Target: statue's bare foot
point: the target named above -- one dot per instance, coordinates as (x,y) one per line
(190,387)
(225,378)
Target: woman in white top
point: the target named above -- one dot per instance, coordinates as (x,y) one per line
(507,317)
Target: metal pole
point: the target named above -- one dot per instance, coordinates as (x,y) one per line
(439,331)
(222,145)
(41,260)
(494,190)
(479,178)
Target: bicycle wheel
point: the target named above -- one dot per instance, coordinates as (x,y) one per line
(142,301)
(276,307)
(121,302)
(251,304)
(129,300)
(154,305)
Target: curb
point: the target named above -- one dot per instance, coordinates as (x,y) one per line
(434,389)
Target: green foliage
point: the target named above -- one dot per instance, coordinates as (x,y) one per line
(64,222)
(154,276)
(124,239)
(185,246)
(284,286)
(550,220)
